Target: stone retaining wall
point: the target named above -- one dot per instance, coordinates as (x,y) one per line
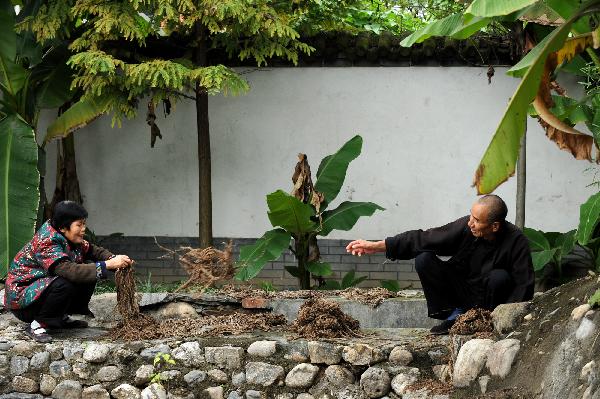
(375,267)
(204,368)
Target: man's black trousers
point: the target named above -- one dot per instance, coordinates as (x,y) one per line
(60,298)
(445,290)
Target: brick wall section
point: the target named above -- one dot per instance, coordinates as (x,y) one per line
(375,267)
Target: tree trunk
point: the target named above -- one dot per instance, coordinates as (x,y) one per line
(67,182)
(302,254)
(205,237)
(521,183)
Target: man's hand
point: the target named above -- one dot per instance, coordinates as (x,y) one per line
(118,262)
(360,247)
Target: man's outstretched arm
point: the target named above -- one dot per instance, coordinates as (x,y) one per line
(360,247)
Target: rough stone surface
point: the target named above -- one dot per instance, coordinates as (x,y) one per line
(195,377)
(217,375)
(96,353)
(470,361)
(19,365)
(506,317)
(339,376)
(25,348)
(67,389)
(170,375)
(177,310)
(189,353)
(109,373)
(483,383)
(235,395)
(252,394)
(24,384)
(305,396)
(238,379)
(580,311)
(55,350)
(264,374)
(59,369)
(154,391)
(47,384)
(442,372)
(262,348)
(501,356)
(150,353)
(324,352)
(40,361)
(95,392)
(301,376)
(215,392)
(103,307)
(404,379)
(400,356)
(82,369)
(126,391)
(224,357)
(72,351)
(143,374)
(375,382)
(362,355)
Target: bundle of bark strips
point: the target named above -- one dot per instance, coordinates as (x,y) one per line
(320,318)
(204,266)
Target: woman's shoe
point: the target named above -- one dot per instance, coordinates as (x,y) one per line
(38,334)
(443,328)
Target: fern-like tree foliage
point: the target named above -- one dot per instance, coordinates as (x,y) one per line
(129,50)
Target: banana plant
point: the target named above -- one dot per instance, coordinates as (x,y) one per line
(33,76)
(572,35)
(304,220)
(548,249)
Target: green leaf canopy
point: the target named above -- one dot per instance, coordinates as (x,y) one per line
(589,212)
(290,213)
(537,240)
(77,116)
(19,180)
(332,169)
(266,249)
(495,8)
(345,216)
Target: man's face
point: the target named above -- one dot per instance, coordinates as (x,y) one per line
(75,232)
(478,222)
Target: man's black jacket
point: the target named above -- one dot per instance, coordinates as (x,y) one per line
(472,258)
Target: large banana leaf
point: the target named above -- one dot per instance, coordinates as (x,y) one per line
(19,180)
(266,249)
(77,116)
(12,75)
(345,216)
(56,90)
(537,240)
(589,213)
(541,258)
(290,213)
(495,8)
(332,170)
(498,162)
(454,26)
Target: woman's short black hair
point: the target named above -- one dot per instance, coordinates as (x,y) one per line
(65,213)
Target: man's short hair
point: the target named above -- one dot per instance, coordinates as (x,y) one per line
(65,213)
(497,209)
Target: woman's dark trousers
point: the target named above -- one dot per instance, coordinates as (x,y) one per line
(60,298)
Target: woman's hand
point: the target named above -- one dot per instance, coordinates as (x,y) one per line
(360,247)
(118,262)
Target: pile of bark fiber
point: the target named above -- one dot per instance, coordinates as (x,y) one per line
(205,266)
(320,318)
(146,327)
(475,321)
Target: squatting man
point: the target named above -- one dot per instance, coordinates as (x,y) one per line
(490,261)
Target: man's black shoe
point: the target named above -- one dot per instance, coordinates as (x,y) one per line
(443,328)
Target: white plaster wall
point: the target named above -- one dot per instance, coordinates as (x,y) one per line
(424,129)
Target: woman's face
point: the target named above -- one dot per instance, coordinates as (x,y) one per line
(75,231)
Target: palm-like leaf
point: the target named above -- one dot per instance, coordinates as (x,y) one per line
(19,180)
